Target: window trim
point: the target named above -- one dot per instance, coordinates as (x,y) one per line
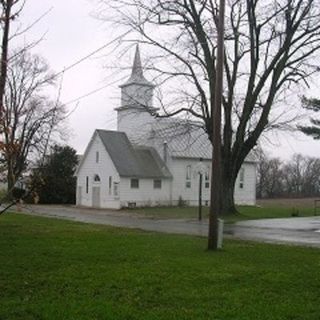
(157,184)
(241,178)
(188,172)
(96,178)
(110,185)
(87,184)
(207,178)
(116,189)
(188,176)
(133,185)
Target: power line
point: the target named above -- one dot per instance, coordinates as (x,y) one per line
(93,91)
(87,94)
(89,55)
(83,59)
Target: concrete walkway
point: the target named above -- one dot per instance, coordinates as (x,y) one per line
(292,231)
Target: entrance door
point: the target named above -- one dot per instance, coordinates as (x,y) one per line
(96,197)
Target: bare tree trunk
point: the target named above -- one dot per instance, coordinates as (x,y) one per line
(228,205)
(4,52)
(10,182)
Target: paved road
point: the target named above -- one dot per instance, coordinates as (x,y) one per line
(296,231)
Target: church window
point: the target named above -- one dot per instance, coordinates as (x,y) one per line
(207,178)
(134,183)
(188,177)
(96,178)
(241,178)
(110,185)
(157,184)
(116,189)
(97,157)
(87,184)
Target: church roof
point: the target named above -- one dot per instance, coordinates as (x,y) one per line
(185,139)
(133,161)
(137,76)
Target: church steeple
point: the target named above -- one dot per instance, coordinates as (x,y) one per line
(137,72)
(135,114)
(137,91)
(137,76)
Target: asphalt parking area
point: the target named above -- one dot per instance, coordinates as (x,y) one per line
(292,231)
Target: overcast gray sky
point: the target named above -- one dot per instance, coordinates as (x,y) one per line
(71,33)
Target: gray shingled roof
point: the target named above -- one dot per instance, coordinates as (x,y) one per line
(130,161)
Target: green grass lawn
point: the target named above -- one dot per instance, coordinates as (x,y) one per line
(55,269)
(245,212)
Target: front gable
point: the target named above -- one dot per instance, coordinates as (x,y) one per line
(96,156)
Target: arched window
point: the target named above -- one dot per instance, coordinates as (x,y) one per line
(96,178)
(188,177)
(87,184)
(207,177)
(241,178)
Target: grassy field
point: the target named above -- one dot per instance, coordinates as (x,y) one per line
(54,269)
(273,208)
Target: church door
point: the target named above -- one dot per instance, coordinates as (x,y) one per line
(96,197)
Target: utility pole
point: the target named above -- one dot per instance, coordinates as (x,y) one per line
(215,205)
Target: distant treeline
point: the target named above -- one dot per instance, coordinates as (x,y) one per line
(298,177)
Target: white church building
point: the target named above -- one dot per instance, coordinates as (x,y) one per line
(150,161)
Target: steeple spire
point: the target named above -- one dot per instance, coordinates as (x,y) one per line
(137,76)
(137,91)
(137,71)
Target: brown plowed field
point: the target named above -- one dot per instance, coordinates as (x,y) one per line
(288,203)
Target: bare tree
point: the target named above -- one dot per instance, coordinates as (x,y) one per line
(302,176)
(311,185)
(270,178)
(293,173)
(29,116)
(7,15)
(298,177)
(270,47)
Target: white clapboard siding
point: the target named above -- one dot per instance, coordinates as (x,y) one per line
(178,167)
(172,190)
(105,169)
(247,194)
(136,124)
(145,195)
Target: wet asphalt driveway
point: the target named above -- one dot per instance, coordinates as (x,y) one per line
(292,231)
